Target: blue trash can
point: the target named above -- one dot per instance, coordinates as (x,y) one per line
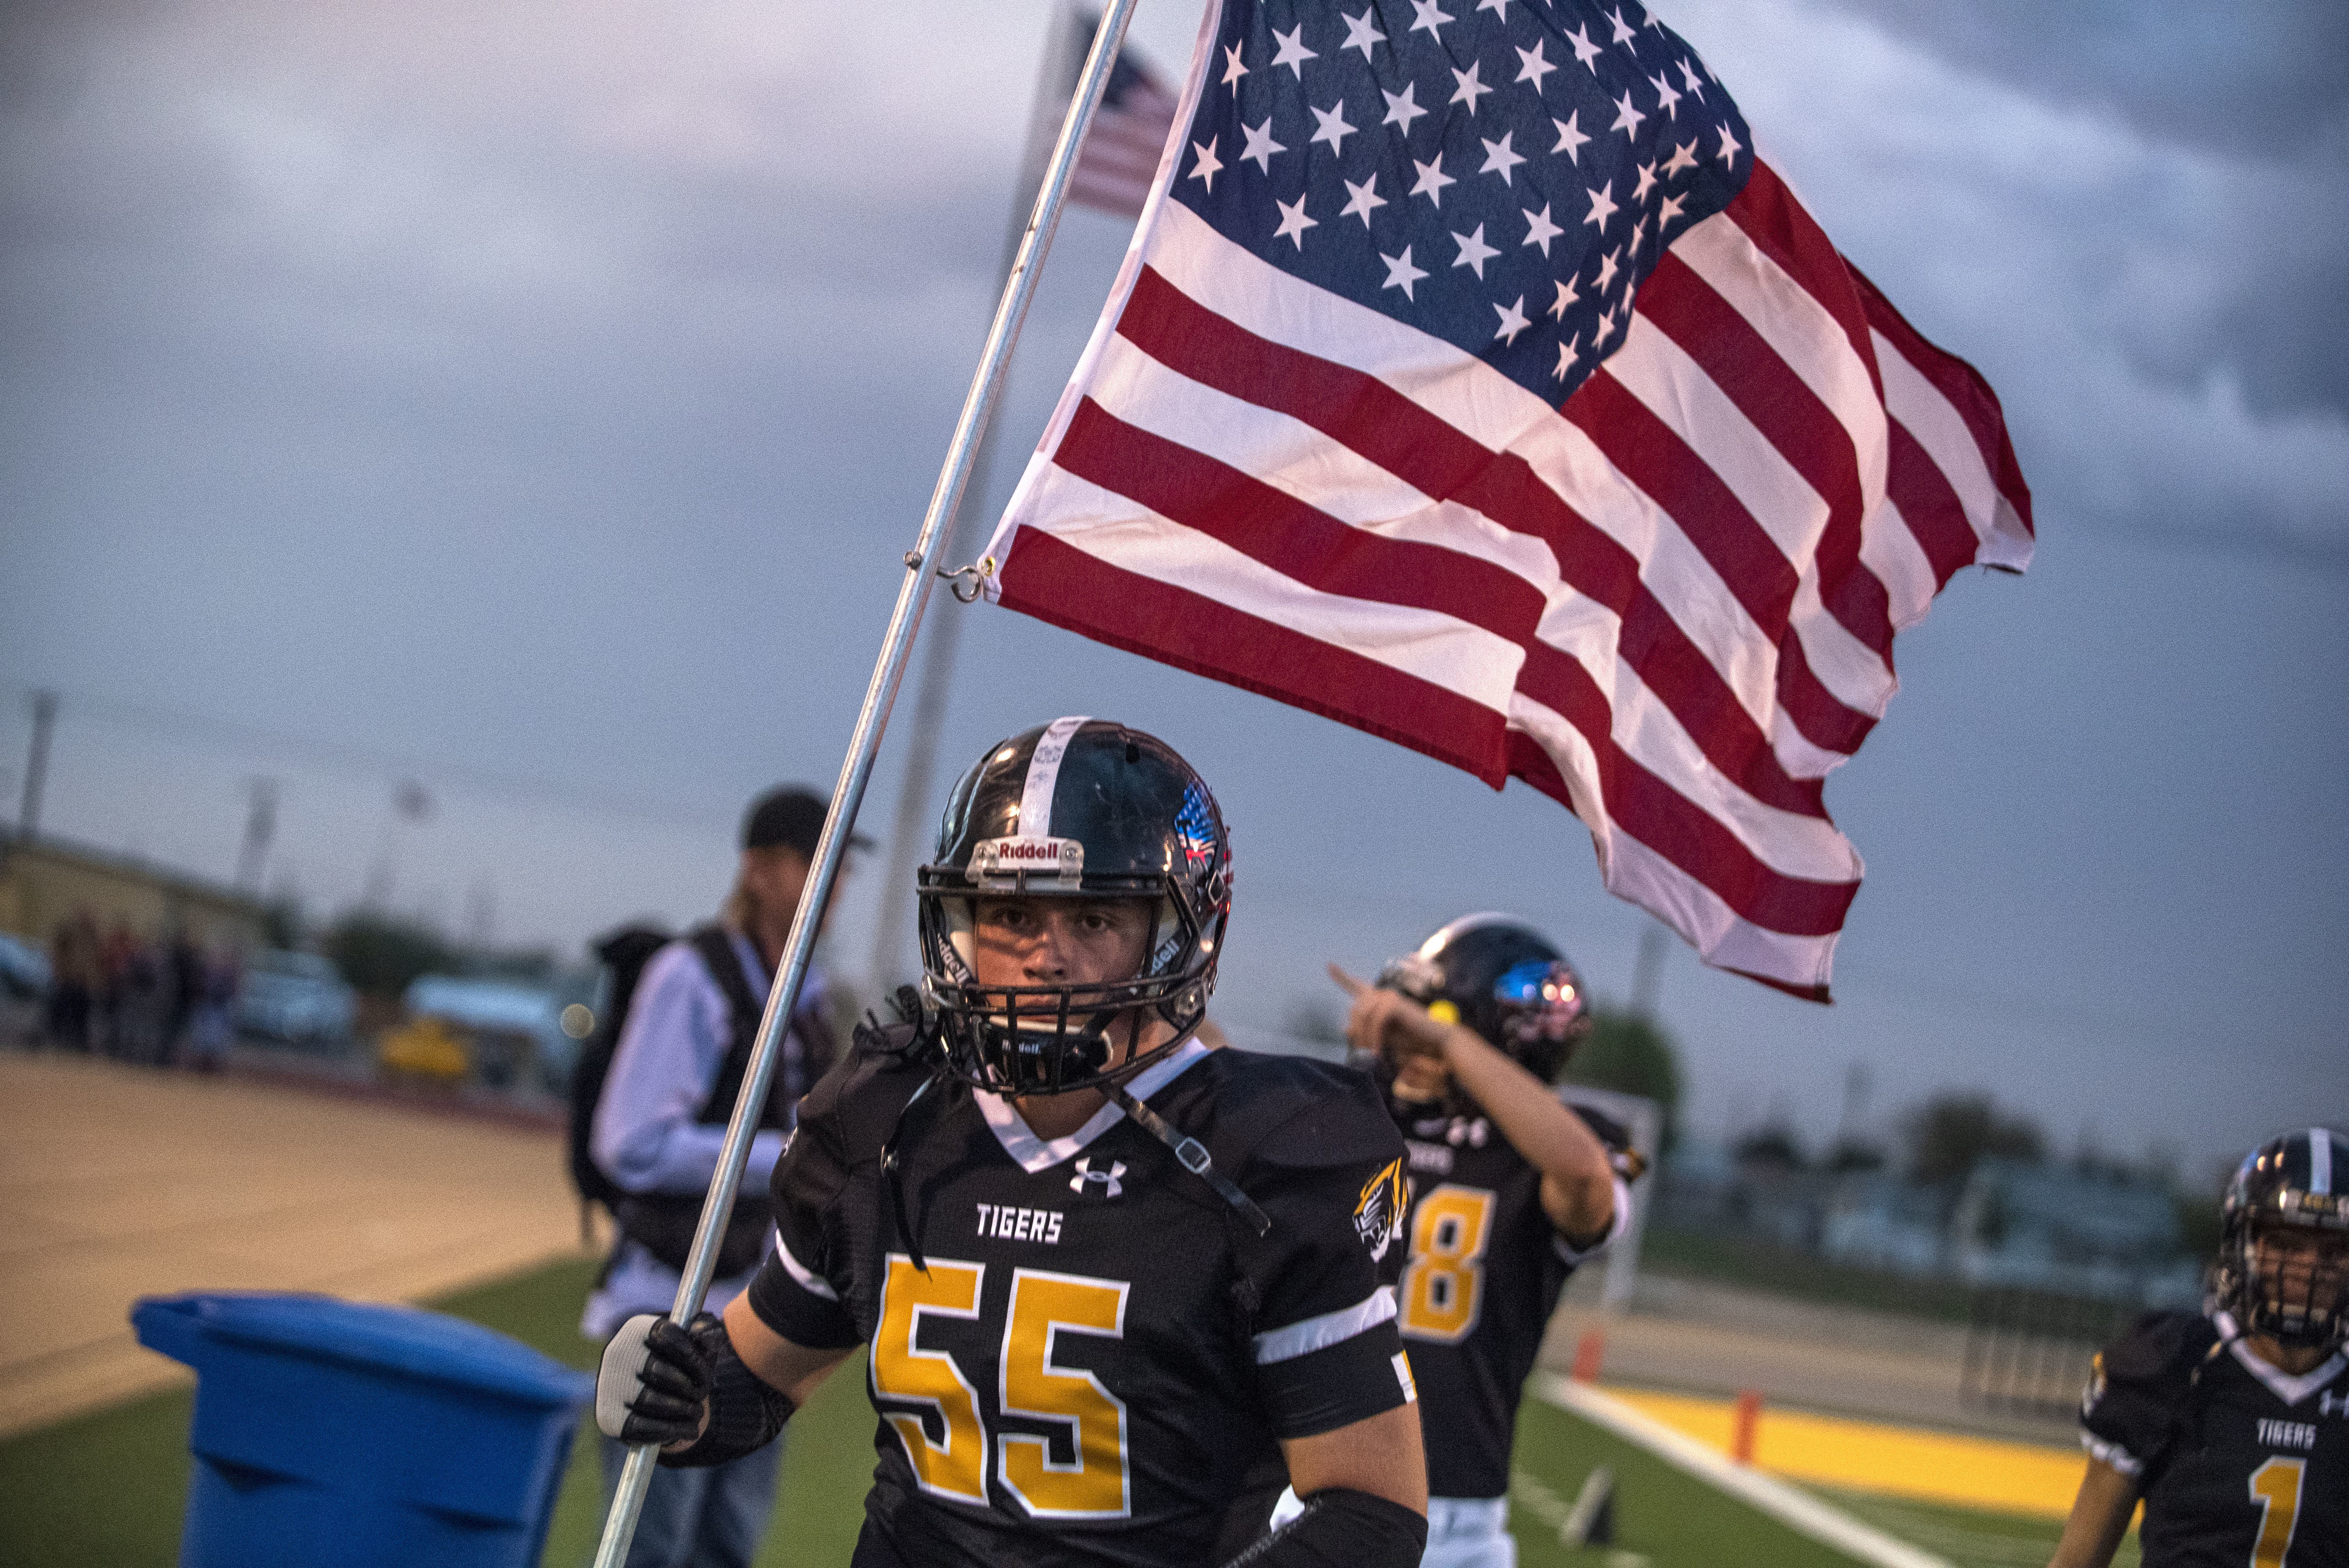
(336,1434)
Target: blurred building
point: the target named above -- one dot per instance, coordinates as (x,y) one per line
(46,882)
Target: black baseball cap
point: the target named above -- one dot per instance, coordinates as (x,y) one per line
(792,817)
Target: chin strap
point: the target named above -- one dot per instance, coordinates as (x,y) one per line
(1192,1155)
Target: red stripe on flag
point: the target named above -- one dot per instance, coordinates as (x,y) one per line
(1370,418)
(1927,505)
(1792,418)
(1768,214)
(1054,581)
(1963,385)
(1652,811)
(1651,454)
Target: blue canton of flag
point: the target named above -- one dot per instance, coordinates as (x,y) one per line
(1502,177)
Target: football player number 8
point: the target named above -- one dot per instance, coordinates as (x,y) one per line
(2276,1487)
(1092,1420)
(1446,1278)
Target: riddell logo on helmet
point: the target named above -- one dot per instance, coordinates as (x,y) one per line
(1016,856)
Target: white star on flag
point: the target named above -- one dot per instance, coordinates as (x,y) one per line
(1431,179)
(1567,298)
(1570,139)
(1469,89)
(1260,145)
(1362,33)
(1691,82)
(1539,230)
(1498,157)
(1513,320)
(1360,199)
(1293,223)
(1533,64)
(1334,129)
(1233,70)
(1426,18)
(1627,119)
(1401,274)
(1665,97)
(1474,252)
(1682,160)
(1624,31)
(1207,165)
(1667,212)
(1403,107)
(1647,181)
(1584,50)
(1293,52)
(1569,351)
(1730,147)
(1602,206)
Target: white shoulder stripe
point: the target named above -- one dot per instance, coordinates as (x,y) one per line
(1313,1334)
(1044,777)
(2110,1453)
(807,1278)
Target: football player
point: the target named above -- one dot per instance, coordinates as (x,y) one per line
(1110,1280)
(2232,1424)
(1509,1190)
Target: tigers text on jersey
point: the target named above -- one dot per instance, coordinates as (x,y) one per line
(1102,1351)
(2239,1464)
(1482,1276)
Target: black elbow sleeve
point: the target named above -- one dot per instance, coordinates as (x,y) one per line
(745,1413)
(1342,1529)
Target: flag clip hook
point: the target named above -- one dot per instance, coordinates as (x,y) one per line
(968,583)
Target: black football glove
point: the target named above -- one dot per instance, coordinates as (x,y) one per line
(654,1384)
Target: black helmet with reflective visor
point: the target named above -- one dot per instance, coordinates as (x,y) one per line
(2295,1186)
(1077,809)
(1505,981)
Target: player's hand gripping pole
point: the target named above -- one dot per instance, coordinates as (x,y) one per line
(913,598)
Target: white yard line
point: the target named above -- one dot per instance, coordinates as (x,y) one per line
(1791,1506)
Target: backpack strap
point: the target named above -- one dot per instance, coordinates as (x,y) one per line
(715,946)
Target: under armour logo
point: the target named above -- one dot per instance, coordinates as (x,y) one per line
(1090,1175)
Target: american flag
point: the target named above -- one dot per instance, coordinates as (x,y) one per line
(1469,381)
(1118,163)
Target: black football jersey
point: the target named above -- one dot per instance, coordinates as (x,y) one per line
(1481,1278)
(2239,1464)
(1102,1352)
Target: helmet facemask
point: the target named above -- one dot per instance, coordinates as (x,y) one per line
(2282,1269)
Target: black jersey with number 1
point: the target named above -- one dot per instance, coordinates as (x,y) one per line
(1093,1358)
(2240,1464)
(1480,1281)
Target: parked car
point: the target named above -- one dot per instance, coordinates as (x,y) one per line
(295,997)
(24,970)
(513,1033)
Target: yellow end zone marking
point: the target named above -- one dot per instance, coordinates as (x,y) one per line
(1871,1456)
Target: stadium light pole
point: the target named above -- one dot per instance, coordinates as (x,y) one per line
(872,719)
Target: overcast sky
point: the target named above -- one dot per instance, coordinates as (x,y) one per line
(534,400)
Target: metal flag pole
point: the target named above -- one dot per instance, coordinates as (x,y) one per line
(1054,87)
(913,597)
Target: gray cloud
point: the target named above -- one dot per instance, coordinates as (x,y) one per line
(2254,102)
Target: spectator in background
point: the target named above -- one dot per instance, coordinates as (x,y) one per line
(211,1021)
(183,989)
(74,972)
(659,1127)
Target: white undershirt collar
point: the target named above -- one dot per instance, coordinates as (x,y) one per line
(1032,1154)
(2291,1390)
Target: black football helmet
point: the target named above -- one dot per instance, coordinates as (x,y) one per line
(2292,1184)
(1505,981)
(1084,809)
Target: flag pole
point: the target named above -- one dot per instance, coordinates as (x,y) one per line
(848,793)
(1054,87)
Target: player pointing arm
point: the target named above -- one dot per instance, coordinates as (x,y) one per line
(1108,1277)
(1509,1190)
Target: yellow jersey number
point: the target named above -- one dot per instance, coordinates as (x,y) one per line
(1443,1284)
(1094,1484)
(2276,1487)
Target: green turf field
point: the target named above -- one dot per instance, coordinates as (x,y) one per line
(107,1488)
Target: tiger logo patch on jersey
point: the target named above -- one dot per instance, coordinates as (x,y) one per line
(1378,1212)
